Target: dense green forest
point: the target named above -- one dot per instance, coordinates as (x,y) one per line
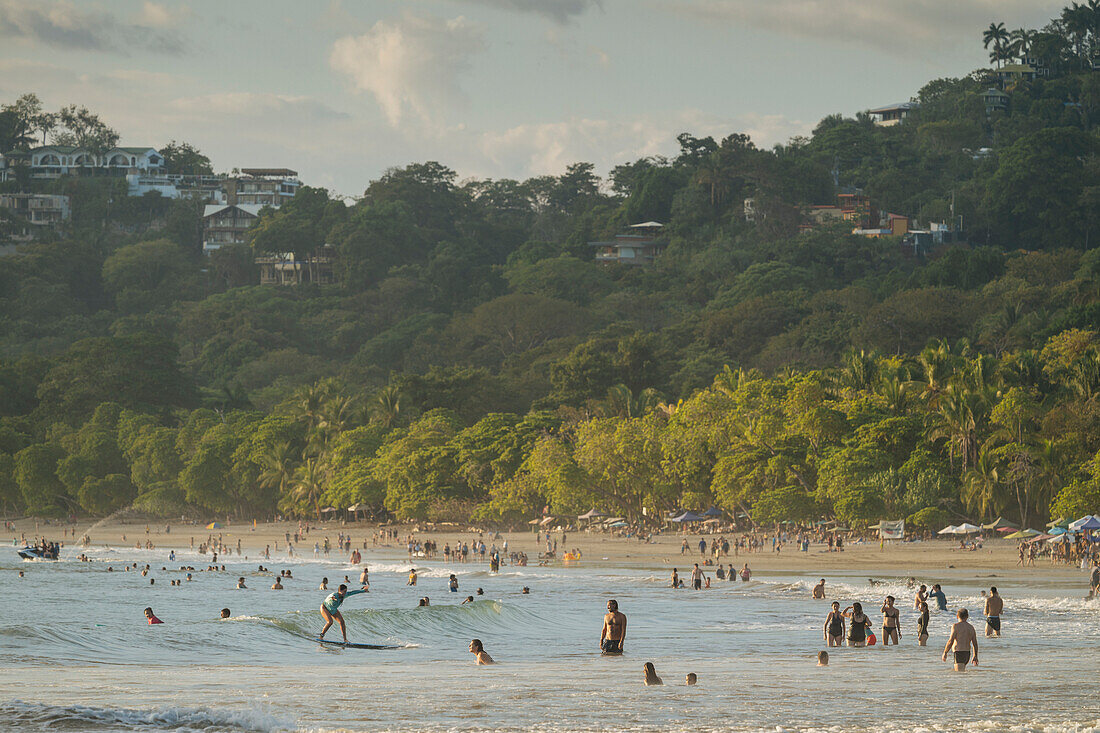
(474,362)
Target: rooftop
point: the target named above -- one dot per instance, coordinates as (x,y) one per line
(284,172)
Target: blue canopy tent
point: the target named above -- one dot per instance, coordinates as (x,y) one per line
(713,512)
(1089,521)
(687,517)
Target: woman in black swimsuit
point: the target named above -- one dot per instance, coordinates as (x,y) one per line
(834,626)
(857,630)
(922,624)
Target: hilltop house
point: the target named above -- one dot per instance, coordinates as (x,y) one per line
(264,186)
(892,114)
(640,247)
(35,211)
(54,161)
(224,224)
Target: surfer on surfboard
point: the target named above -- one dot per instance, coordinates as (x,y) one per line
(330,610)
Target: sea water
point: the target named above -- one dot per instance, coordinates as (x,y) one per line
(76,654)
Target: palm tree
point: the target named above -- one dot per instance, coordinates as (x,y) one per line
(711,173)
(981,489)
(277,467)
(997,36)
(1023,38)
(860,370)
(621,402)
(307,484)
(385,409)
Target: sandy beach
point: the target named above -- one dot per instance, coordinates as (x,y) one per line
(893,559)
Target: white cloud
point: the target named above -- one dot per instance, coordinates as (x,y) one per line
(559,11)
(253,104)
(411,65)
(885,24)
(157,15)
(62,24)
(549,147)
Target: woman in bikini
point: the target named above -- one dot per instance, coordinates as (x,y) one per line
(891,628)
(834,626)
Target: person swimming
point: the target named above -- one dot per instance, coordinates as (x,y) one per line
(650,673)
(152,617)
(330,610)
(240,584)
(823,658)
(478,650)
(324,584)
(691,679)
(225,613)
(277,585)
(469,599)
(424,602)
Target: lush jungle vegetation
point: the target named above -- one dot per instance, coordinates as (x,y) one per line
(473,361)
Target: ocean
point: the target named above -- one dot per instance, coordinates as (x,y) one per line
(77,654)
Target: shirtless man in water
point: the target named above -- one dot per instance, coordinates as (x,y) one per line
(614,630)
(994,605)
(819,591)
(962,638)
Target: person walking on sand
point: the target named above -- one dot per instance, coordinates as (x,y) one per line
(962,638)
(613,633)
(994,605)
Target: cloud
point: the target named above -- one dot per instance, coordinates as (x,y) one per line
(156,15)
(559,11)
(63,25)
(885,24)
(253,104)
(547,148)
(411,65)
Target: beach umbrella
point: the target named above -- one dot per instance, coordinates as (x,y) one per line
(999,524)
(547,520)
(967,528)
(949,529)
(534,521)
(591,514)
(1089,521)
(329,510)
(213,525)
(1059,522)
(1061,539)
(1057,531)
(612,520)
(713,512)
(1023,534)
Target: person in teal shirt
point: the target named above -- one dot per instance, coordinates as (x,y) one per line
(940,598)
(330,610)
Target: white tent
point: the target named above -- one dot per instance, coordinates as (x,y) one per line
(949,529)
(967,528)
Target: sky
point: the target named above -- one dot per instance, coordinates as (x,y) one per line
(341,90)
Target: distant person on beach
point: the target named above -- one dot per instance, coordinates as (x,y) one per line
(891,626)
(613,633)
(650,673)
(152,618)
(858,624)
(691,679)
(962,638)
(818,593)
(922,624)
(478,650)
(330,610)
(834,626)
(823,658)
(994,605)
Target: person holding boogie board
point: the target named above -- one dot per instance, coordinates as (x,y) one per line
(330,610)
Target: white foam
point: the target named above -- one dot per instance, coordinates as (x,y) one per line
(165,718)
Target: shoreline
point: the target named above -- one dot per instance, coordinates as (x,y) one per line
(598,549)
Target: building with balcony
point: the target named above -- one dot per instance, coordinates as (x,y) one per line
(263,186)
(640,247)
(892,114)
(177,186)
(54,161)
(224,224)
(288,269)
(37,209)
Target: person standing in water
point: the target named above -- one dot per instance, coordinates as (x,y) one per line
(818,593)
(152,617)
(994,605)
(940,598)
(613,633)
(478,650)
(962,638)
(330,610)
(858,624)
(834,626)
(891,628)
(696,577)
(922,624)
(675,578)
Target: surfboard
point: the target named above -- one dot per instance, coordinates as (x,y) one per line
(353,645)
